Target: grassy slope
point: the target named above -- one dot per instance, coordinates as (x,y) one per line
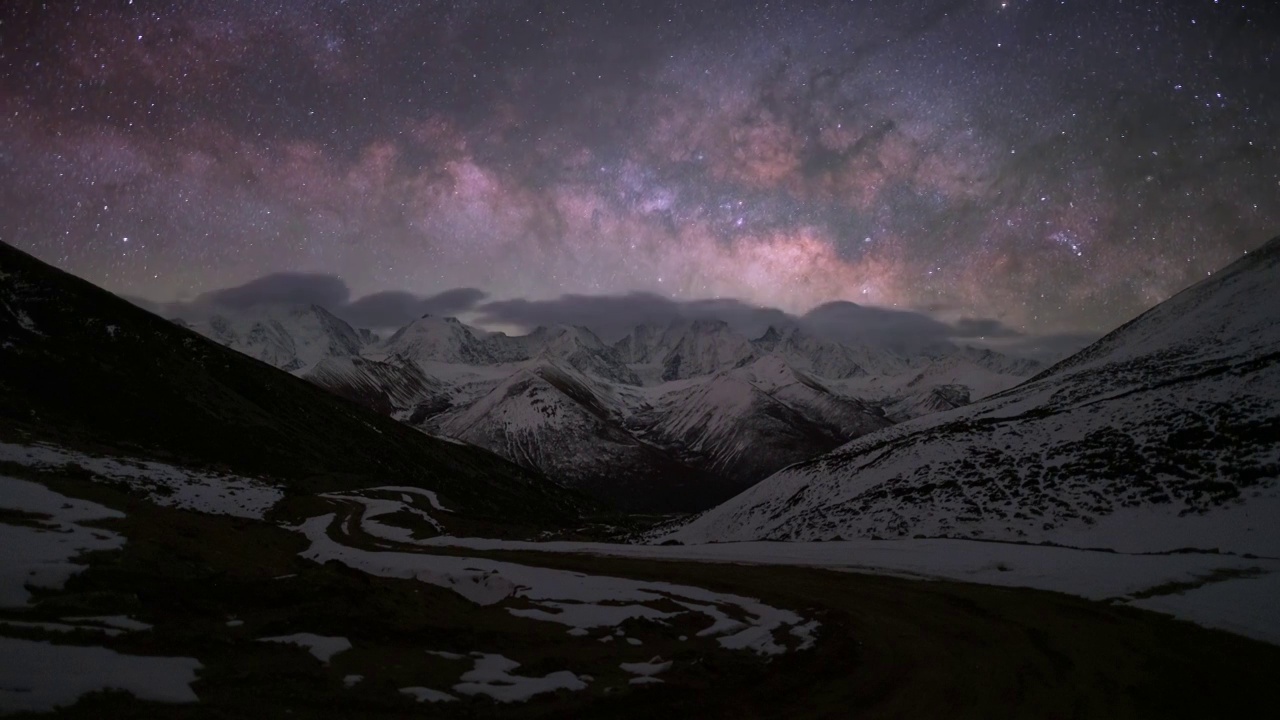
(149,388)
(890,647)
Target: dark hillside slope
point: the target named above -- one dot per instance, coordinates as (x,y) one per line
(81,367)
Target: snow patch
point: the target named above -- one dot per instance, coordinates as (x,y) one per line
(375,507)
(432,498)
(320,646)
(36,676)
(570,598)
(492,676)
(647,669)
(24,321)
(425,694)
(806,634)
(120,622)
(42,556)
(446,654)
(1246,605)
(206,492)
(581,616)
(1097,575)
(61,627)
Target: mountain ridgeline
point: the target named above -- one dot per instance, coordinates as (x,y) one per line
(666,418)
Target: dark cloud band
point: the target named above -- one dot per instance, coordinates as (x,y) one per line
(388,309)
(609,316)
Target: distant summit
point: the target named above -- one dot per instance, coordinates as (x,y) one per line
(290,338)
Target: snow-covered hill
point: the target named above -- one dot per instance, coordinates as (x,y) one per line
(549,417)
(747,422)
(1164,434)
(735,429)
(843,416)
(386,386)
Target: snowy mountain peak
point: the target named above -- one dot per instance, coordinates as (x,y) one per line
(434,338)
(704,347)
(769,340)
(292,338)
(578,347)
(745,422)
(640,346)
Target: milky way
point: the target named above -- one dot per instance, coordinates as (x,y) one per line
(1054,166)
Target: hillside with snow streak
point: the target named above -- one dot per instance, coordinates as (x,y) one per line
(1161,435)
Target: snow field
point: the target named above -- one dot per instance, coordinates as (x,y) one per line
(166,485)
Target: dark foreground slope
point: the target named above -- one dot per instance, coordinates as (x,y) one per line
(81,367)
(1163,434)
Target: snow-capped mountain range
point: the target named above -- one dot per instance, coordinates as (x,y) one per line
(673,417)
(1164,434)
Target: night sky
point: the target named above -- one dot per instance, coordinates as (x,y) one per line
(1034,167)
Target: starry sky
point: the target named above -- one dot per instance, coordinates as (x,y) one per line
(1037,168)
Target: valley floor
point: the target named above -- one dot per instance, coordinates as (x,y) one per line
(1238,593)
(338,608)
